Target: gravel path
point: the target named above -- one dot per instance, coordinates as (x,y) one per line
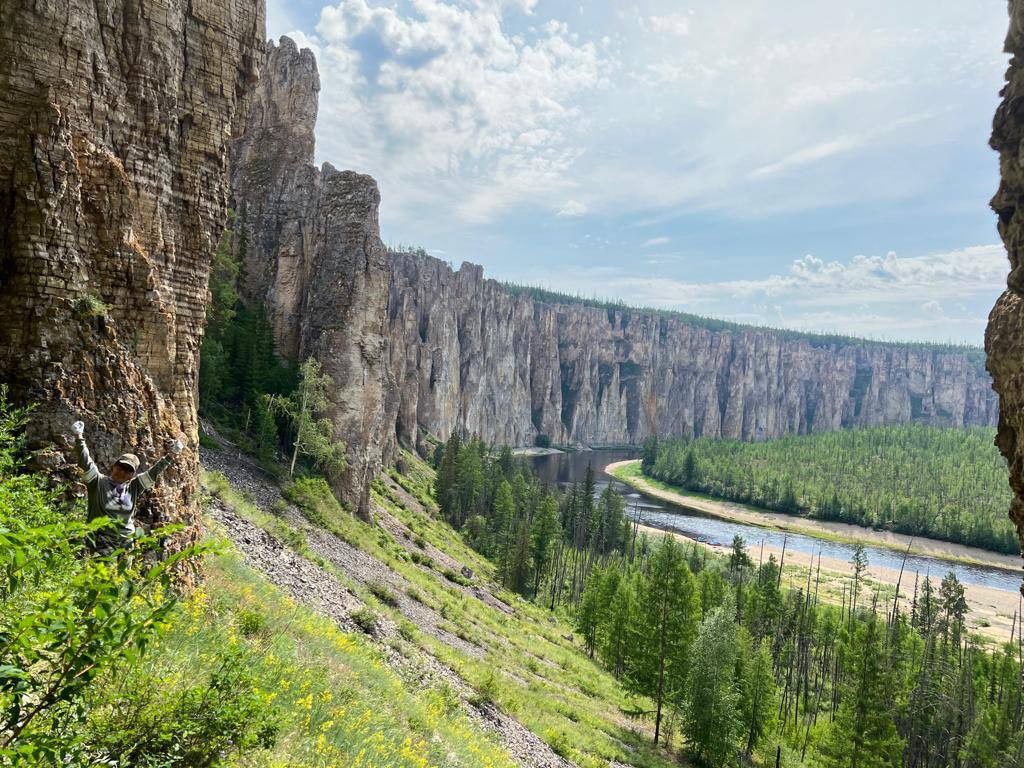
(316,588)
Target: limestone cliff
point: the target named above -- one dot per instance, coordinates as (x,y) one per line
(1004,337)
(115,121)
(465,353)
(312,253)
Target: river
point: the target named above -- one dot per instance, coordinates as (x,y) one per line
(565,468)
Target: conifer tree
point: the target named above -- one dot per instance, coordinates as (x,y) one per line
(711,716)
(864,734)
(543,532)
(758,692)
(666,628)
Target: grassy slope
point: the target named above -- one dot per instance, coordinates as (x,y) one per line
(530,668)
(527,662)
(336,700)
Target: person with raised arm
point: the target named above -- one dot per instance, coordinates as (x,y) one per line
(116,495)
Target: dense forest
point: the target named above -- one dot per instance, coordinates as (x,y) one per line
(946,484)
(734,662)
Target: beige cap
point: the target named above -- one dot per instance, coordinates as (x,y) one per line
(129,460)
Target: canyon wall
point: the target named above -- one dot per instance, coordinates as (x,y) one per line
(466,353)
(1004,337)
(310,245)
(417,349)
(115,124)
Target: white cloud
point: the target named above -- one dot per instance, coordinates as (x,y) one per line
(447,107)
(572,209)
(878,295)
(670,24)
(655,241)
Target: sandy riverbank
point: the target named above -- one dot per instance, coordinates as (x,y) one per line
(991,610)
(819,528)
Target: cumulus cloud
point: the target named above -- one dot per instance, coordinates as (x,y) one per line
(670,24)
(445,104)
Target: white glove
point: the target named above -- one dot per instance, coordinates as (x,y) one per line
(78,428)
(176,447)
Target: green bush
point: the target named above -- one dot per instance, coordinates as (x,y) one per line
(383,592)
(366,620)
(200,726)
(251,623)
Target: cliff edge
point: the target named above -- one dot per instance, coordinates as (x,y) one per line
(1004,337)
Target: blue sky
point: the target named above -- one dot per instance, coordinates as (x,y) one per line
(820,166)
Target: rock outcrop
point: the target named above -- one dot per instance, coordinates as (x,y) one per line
(1004,337)
(312,253)
(466,353)
(115,123)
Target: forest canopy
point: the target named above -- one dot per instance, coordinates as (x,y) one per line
(942,483)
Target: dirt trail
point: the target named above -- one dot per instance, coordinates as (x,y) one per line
(316,588)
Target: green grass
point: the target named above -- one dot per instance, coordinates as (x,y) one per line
(526,666)
(335,699)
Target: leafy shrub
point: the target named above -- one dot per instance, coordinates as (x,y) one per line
(486,690)
(420,559)
(383,592)
(251,623)
(200,726)
(542,441)
(366,620)
(456,578)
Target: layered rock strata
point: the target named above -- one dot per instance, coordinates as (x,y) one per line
(310,242)
(115,123)
(1004,337)
(465,353)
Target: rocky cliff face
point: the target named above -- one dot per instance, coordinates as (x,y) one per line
(465,353)
(1004,337)
(311,246)
(115,121)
